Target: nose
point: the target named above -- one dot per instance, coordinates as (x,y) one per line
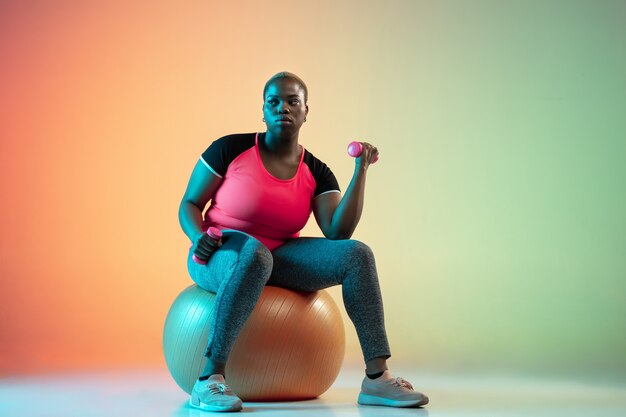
(282,107)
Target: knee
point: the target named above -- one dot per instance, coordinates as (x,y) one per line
(258,258)
(360,267)
(355,254)
(360,250)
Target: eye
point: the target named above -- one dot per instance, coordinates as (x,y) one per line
(272,101)
(294,102)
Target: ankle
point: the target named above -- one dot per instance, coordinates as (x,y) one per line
(207,376)
(376,365)
(214,368)
(374,375)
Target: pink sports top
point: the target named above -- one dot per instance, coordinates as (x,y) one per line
(252,200)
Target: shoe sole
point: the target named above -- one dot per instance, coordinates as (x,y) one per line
(208,407)
(366,399)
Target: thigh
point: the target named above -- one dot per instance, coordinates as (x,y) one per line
(221,263)
(311,263)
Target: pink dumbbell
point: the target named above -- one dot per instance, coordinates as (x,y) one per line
(355,149)
(215,234)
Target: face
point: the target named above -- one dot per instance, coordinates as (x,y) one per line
(284,108)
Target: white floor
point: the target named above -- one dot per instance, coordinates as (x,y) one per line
(153,393)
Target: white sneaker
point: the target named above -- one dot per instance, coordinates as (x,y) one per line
(214,395)
(390,391)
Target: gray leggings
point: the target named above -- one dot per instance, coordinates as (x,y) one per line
(239,270)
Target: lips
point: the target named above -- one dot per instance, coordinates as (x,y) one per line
(283,120)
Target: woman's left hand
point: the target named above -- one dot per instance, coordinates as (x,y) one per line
(368,156)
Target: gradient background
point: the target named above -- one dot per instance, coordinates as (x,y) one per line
(497,211)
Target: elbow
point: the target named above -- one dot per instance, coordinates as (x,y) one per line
(187,208)
(337,235)
(341,237)
(182,208)
(184,204)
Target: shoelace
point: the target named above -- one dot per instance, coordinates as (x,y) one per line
(401,382)
(219,388)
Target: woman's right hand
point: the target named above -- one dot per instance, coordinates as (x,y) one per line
(204,246)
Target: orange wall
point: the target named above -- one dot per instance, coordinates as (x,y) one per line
(106,107)
(104,111)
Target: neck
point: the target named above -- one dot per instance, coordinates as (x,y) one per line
(284,145)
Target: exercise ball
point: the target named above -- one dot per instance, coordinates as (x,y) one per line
(290,348)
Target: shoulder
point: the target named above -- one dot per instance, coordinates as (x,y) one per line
(314,163)
(324,178)
(221,152)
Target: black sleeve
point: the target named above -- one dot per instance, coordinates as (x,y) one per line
(324,178)
(225,149)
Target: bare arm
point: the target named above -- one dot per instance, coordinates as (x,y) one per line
(338,216)
(201,188)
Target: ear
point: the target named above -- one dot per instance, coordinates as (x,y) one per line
(307,109)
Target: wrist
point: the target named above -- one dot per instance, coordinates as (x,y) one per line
(197,235)
(360,168)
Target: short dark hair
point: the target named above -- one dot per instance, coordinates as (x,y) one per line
(285,74)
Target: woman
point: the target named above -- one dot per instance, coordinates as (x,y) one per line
(262,189)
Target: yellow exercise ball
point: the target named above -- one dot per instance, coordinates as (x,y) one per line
(290,348)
